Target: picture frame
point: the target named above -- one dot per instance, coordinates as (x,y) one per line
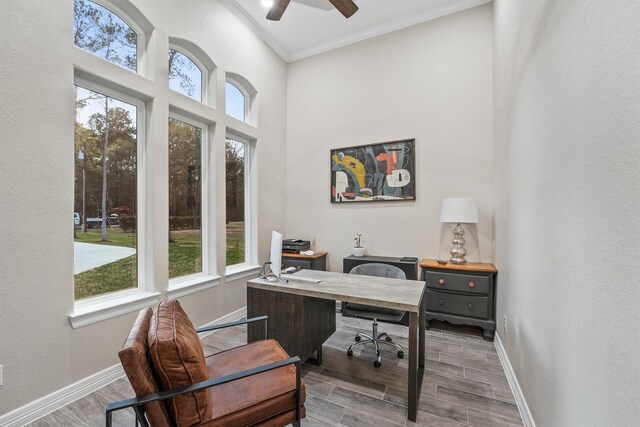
(380,172)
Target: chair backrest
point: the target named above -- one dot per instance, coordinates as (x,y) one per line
(379,270)
(134,357)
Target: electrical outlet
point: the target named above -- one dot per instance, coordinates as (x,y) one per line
(504,324)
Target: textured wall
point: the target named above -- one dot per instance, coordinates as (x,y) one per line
(431,82)
(567,95)
(38,349)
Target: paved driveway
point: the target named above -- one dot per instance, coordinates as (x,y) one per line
(87,256)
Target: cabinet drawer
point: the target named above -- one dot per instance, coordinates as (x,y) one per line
(300,264)
(463,305)
(457,282)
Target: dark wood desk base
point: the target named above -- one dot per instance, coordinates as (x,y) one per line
(417,326)
(300,324)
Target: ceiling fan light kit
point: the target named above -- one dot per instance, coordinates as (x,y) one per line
(346,7)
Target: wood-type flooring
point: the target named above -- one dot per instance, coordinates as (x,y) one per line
(464,383)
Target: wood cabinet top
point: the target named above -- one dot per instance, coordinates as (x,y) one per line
(316,255)
(469,266)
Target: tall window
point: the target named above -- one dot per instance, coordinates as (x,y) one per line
(103,33)
(185,199)
(184,75)
(236,102)
(105,194)
(236,155)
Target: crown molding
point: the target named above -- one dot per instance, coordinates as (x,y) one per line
(384,29)
(353,38)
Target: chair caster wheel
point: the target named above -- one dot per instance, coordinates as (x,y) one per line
(358,338)
(377,364)
(388,339)
(400,354)
(349,352)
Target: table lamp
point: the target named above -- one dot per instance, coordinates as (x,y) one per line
(458,210)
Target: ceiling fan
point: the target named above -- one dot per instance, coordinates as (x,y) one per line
(346,7)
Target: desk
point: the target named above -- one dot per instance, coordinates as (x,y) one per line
(272,298)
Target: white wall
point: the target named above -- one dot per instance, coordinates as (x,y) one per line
(431,82)
(567,94)
(39,350)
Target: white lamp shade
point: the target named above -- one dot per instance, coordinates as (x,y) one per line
(459,210)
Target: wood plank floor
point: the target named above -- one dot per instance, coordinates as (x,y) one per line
(464,385)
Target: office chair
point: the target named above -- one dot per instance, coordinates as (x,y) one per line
(375,313)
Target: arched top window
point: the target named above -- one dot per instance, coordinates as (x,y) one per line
(236,102)
(185,76)
(101,32)
(241,99)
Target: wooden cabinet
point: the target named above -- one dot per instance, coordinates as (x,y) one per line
(462,294)
(317,261)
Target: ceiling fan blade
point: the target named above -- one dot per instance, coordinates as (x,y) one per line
(346,7)
(277,10)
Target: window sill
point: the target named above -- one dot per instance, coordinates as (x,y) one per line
(100,309)
(189,285)
(240,271)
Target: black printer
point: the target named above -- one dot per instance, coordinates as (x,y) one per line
(294,246)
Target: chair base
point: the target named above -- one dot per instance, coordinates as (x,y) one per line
(375,339)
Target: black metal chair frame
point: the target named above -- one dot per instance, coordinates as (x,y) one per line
(138,403)
(375,338)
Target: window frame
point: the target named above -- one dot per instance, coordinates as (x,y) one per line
(247,101)
(207,229)
(204,73)
(248,206)
(141,38)
(101,307)
(148,90)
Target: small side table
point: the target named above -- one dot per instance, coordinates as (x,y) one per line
(318,261)
(462,294)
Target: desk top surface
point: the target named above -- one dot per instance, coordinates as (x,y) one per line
(376,291)
(292,255)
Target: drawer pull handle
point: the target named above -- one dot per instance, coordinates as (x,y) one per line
(471,284)
(441,302)
(470,306)
(441,281)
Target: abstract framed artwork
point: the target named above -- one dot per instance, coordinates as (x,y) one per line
(374,173)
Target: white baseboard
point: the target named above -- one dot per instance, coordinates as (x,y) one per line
(525,413)
(60,398)
(56,400)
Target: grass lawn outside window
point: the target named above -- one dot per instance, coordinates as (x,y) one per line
(122,274)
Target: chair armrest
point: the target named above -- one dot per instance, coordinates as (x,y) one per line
(137,403)
(236,323)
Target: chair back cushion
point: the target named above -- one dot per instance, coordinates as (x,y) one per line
(368,311)
(135,362)
(178,361)
(379,270)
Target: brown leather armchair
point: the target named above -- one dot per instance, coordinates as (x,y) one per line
(256,384)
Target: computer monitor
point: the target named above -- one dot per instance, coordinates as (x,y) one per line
(276,253)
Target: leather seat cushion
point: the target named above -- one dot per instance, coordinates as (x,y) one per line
(370,312)
(178,361)
(257,399)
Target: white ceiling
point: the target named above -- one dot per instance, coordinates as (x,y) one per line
(313,26)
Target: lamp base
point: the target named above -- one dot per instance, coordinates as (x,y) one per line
(458,251)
